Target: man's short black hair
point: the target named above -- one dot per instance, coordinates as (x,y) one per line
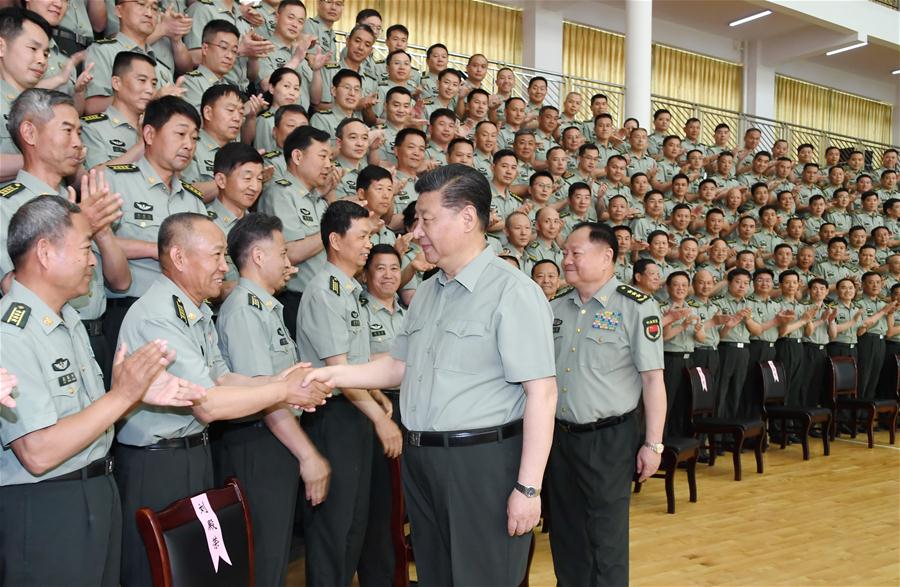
(459,186)
(545,262)
(233,155)
(124,59)
(161,110)
(214,93)
(409,132)
(599,232)
(441,113)
(216,26)
(381,249)
(248,231)
(289,109)
(369,175)
(343,74)
(433,47)
(503,153)
(338,218)
(301,138)
(12,23)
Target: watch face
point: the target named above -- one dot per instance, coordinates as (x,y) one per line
(530,492)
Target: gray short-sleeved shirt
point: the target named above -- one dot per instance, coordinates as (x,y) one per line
(13,195)
(166,312)
(225,219)
(253,337)
(103,54)
(146,202)
(301,213)
(467,349)
(197,82)
(732,305)
(51,357)
(384,323)
(106,136)
(602,346)
(8,94)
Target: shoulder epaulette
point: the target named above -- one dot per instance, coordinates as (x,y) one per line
(428,101)
(517,198)
(534,245)
(384,83)
(94,117)
(564,215)
(11,189)
(379,61)
(105,41)
(332,65)
(692,303)
(326,111)
(718,298)
(192,189)
(562,292)
(180,311)
(284,182)
(334,285)
(632,294)
(751,298)
(123,168)
(267,114)
(254,301)
(207,2)
(271,154)
(17,315)
(567,175)
(195,73)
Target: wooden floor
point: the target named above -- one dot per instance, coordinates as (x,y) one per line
(831,521)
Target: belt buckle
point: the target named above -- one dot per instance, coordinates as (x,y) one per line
(204,437)
(686,356)
(109,466)
(771,344)
(740,345)
(415,438)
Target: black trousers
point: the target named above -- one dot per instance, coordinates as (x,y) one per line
(677,390)
(270,475)
(733,364)
(815,393)
(887,384)
(590,490)
(871,351)
(154,479)
(335,529)
(456,499)
(291,302)
(103,354)
(116,308)
(376,565)
(791,353)
(60,533)
(751,395)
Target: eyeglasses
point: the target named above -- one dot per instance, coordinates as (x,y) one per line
(351,89)
(145,4)
(233,49)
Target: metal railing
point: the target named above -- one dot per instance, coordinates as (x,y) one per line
(559,85)
(895,4)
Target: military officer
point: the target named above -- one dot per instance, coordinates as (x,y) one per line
(173,443)
(789,348)
(58,431)
(322,25)
(871,333)
(350,158)
(374,189)
(842,328)
(287,118)
(815,342)
(496,380)
(734,342)
(265,451)
(291,51)
(334,333)
(202,12)
(544,246)
(763,324)
(298,199)
(219,52)
(346,88)
(679,334)
(609,358)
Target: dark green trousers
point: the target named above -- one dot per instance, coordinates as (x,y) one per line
(60,533)
(154,479)
(335,529)
(677,390)
(792,354)
(590,475)
(871,358)
(887,384)
(456,499)
(751,395)
(815,392)
(270,475)
(733,365)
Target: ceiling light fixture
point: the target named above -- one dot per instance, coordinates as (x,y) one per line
(895,72)
(847,48)
(750,18)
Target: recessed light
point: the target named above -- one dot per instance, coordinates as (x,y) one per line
(895,72)
(848,48)
(750,18)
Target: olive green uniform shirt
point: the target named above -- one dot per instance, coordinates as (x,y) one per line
(103,54)
(8,94)
(225,220)
(201,168)
(384,325)
(467,349)
(197,82)
(844,315)
(602,346)
(324,35)
(51,357)
(203,11)
(538,250)
(347,186)
(731,305)
(871,306)
(106,136)
(166,312)
(13,195)
(763,311)
(683,342)
(328,120)
(706,310)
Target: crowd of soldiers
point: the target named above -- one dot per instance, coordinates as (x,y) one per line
(215,191)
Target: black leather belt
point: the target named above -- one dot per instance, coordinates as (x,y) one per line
(678,354)
(463,437)
(391,392)
(125,302)
(739,345)
(227,426)
(93,327)
(72,36)
(98,468)
(201,439)
(879,336)
(851,345)
(591,426)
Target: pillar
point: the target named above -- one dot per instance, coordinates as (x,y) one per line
(638,58)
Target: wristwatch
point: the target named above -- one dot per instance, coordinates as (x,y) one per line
(527,490)
(655,447)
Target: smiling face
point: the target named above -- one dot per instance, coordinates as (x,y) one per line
(203,267)
(57,142)
(242,185)
(70,261)
(383,275)
(24,58)
(546,275)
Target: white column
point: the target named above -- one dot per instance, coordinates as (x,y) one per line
(759,82)
(638,56)
(542,44)
(895,127)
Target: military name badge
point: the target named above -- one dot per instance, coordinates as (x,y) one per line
(67,379)
(306,216)
(557,322)
(377,329)
(354,318)
(652,328)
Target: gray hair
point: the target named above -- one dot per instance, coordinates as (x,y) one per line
(35,105)
(46,217)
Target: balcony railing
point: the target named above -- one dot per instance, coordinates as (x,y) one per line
(559,85)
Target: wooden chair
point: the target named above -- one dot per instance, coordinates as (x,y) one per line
(677,450)
(704,421)
(843,396)
(177,546)
(774,395)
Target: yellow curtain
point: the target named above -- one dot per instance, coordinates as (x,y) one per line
(593,54)
(696,78)
(465,26)
(821,107)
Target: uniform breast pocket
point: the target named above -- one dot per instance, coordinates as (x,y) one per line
(139,223)
(65,388)
(607,350)
(464,347)
(280,341)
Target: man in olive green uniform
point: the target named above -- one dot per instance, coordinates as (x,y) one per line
(871,333)
(763,326)
(219,53)
(58,501)
(467,382)
(264,450)
(734,345)
(334,332)
(678,350)
(815,343)
(609,357)
(789,348)
(204,11)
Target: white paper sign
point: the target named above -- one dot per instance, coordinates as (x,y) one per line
(210,521)
(774,371)
(702,378)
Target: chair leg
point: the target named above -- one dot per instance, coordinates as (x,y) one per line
(870,425)
(736,454)
(692,478)
(670,488)
(712,450)
(757,450)
(826,446)
(832,427)
(853,423)
(784,434)
(893,426)
(805,425)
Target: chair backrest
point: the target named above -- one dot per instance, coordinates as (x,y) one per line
(703,392)
(177,544)
(843,376)
(774,382)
